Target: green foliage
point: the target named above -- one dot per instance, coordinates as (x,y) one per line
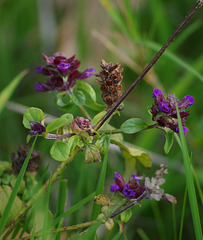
(133,125)
(7,92)
(32,114)
(126,215)
(169,141)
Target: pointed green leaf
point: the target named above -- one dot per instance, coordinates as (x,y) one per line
(87,88)
(102,143)
(32,114)
(78,97)
(126,215)
(169,141)
(56,124)
(133,125)
(92,154)
(98,117)
(132,154)
(7,92)
(68,116)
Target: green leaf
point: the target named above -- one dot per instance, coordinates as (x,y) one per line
(32,114)
(7,92)
(56,124)
(169,141)
(132,154)
(87,88)
(68,116)
(100,184)
(14,192)
(126,215)
(133,125)
(63,99)
(102,143)
(92,154)
(78,97)
(60,151)
(5,192)
(98,117)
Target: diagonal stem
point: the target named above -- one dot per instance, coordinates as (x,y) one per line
(151,64)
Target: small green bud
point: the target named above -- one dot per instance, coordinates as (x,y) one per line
(102,200)
(109,224)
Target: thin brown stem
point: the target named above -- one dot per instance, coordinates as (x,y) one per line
(150,65)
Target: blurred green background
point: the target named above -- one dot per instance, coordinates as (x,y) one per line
(128,32)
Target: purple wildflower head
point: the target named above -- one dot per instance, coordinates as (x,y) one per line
(62,73)
(36,128)
(164,110)
(132,189)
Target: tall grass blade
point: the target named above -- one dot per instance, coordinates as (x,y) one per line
(190,182)
(183,214)
(100,185)
(74,208)
(15,190)
(7,92)
(46,212)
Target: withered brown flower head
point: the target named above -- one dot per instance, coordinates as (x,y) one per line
(19,157)
(110,82)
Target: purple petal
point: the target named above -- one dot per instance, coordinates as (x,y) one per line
(156,93)
(185,129)
(190,98)
(63,66)
(163,107)
(117,175)
(128,192)
(39,69)
(114,188)
(37,128)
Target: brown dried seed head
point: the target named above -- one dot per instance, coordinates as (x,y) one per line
(110,82)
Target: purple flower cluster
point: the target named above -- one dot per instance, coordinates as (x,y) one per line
(132,189)
(36,128)
(62,73)
(164,110)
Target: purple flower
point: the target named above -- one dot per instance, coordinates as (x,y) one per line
(190,99)
(114,187)
(157,93)
(185,129)
(164,110)
(163,107)
(132,189)
(63,73)
(63,66)
(36,128)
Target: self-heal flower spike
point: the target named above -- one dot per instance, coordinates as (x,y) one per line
(110,82)
(62,73)
(164,110)
(132,189)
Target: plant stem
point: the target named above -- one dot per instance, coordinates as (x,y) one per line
(64,229)
(150,65)
(43,189)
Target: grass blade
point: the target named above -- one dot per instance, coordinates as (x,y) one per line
(183,214)
(15,190)
(100,185)
(74,208)
(46,212)
(7,92)
(190,182)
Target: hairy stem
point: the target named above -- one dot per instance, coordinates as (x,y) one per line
(43,189)
(150,65)
(64,229)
